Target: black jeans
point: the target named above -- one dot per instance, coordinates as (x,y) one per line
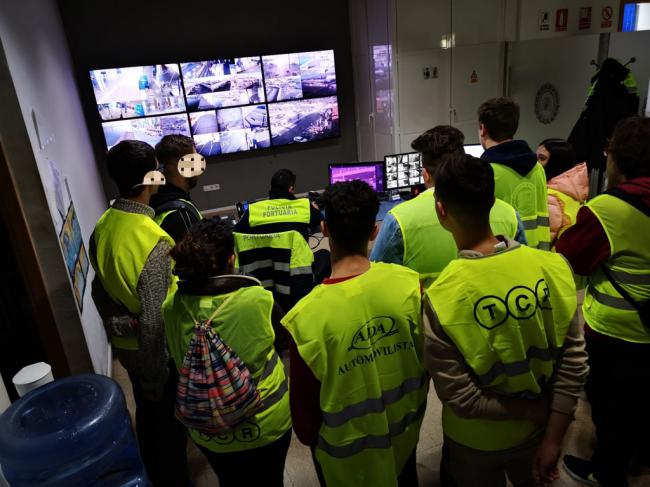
(617,389)
(161,437)
(407,478)
(259,466)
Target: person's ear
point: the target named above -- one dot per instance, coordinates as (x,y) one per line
(441,211)
(373,234)
(231,261)
(324,229)
(426,176)
(292,189)
(481,131)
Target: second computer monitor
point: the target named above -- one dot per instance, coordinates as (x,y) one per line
(369,172)
(475,150)
(403,170)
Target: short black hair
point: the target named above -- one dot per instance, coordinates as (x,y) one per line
(204,250)
(172,147)
(562,157)
(465,185)
(437,143)
(283,179)
(500,116)
(350,213)
(630,147)
(128,162)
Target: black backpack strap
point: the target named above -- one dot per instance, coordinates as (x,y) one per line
(620,289)
(177,205)
(631,199)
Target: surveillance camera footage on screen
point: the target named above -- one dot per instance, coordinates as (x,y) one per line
(403,170)
(226,105)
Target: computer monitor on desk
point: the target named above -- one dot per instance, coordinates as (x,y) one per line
(475,150)
(369,172)
(403,171)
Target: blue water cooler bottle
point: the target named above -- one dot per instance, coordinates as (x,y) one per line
(74,431)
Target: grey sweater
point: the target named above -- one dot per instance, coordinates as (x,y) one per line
(150,362)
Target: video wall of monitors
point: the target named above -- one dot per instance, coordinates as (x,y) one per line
(226,105)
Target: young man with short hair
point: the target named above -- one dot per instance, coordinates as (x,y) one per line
(519,179)
(130,255)
(175,210)
(358,387)
(411,234)
(610,243)
(503,342)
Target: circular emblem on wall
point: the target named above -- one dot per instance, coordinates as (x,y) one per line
(547,103)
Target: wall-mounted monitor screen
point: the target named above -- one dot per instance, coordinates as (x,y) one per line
(304,120)
(475,150)
(299,75)
(369,172)
(403,170)
(226,105)
(138,92)
(223,83)
(148,129)
(230,130)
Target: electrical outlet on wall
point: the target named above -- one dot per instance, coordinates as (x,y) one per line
(211,187)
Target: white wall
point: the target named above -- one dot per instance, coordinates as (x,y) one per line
(564,62)
(623,46)
(32,37)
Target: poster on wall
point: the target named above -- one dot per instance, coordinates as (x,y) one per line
(584,22)
(74,254)
(561,19)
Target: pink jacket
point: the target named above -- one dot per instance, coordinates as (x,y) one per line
(573,184)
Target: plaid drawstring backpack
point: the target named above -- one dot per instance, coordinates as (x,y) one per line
(215,391)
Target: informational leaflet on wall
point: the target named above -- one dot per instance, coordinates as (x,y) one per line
(74,254)
(67,226)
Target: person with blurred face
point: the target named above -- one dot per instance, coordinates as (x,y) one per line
(130,255)
(175,210)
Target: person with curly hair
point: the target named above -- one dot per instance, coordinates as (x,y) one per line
(253,453)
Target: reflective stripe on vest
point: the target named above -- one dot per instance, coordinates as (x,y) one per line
(508,314)
(123,242)
(605,310)
(244,324)
(279,211)
(529,196)
(363,340)
(420,226)
(273,258)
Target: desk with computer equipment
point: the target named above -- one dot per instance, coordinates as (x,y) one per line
(396,179)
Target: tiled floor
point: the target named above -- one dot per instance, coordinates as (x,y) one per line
(300,471)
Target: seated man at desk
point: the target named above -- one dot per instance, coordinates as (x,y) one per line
(282,211)
(411,234)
